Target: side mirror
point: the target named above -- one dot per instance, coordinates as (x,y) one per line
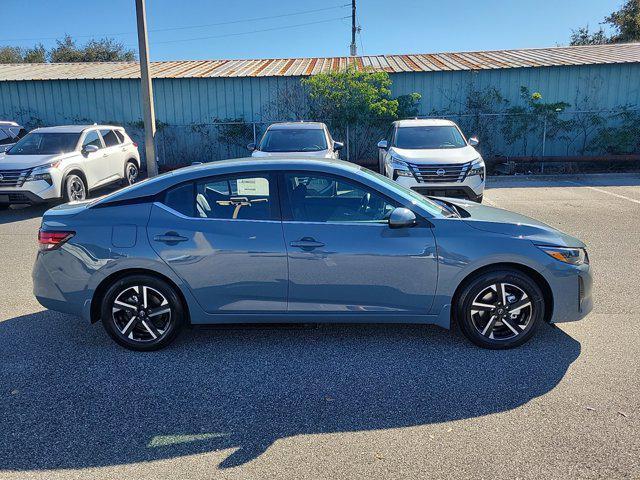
(251,147)
(338,146)
(402,218)
(87,149)
(473,141)
(383,144)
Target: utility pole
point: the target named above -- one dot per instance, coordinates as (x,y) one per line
(146,91)
(353,50)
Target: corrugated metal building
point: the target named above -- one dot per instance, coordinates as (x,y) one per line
(187,93)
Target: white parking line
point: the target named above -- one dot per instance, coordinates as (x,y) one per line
(604,191)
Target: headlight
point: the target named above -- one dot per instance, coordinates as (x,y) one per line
(572,256)
(399,167)
(477,168)
(42,173)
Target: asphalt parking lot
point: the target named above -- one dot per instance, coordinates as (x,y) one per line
(336,401)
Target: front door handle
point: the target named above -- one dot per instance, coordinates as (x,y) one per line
(170,237)
(307,243)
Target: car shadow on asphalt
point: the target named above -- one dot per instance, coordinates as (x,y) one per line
(21,213)
(73,399)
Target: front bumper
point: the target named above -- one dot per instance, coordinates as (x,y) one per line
(467,187)
(573,293)
(29,194)
(471,188)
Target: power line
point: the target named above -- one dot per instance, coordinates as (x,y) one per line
(251,19)
(252,31)
(185,27)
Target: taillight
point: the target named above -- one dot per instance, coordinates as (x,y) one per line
(135,144)
(48,240)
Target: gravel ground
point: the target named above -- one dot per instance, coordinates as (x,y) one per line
(335,401)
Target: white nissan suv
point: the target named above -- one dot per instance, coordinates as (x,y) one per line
(66,162)
(433,158)
(288,139)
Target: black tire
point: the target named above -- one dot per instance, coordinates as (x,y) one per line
(138,328)
(479,199)
(75,188)
(496,328)
(130,166)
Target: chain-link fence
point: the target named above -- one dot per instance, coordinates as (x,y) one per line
(502,135)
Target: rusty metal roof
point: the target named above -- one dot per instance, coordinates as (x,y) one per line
(279,67)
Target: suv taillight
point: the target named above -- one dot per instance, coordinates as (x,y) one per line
(48,240)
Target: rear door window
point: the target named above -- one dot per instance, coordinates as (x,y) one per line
(120,135)
(109,137)
(249,197)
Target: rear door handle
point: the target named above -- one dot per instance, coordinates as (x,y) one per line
(307,243)
(170,237)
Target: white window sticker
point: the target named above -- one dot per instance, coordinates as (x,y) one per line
(253,186)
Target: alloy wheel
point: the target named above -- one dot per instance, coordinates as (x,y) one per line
(132,173)
(501,311)
(76,190)
(142,314)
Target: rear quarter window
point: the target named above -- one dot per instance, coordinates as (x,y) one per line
(181,199)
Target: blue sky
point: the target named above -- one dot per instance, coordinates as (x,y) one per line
(399,26)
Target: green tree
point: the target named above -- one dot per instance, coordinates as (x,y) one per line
(105,50)
(358,101)
(37,54)
(583,36)
(528,120)
(9,54)
(625,23)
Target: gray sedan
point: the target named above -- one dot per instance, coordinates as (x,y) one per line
(303,240)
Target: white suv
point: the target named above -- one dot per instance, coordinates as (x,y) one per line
(433,158)
(66,162)
(295,138)
(10,133)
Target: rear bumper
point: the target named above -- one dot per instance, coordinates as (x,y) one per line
(48,269)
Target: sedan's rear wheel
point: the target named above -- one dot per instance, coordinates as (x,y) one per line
(142,312)
(500,309)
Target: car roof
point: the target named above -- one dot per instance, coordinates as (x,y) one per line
(424,122)
(297,125)
(72,128)
(8,123)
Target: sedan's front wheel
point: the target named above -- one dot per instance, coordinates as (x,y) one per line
(500,309)
(141,312)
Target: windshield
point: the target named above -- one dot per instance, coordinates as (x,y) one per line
(429,137)
(45,144)
(432,207)
(294,140)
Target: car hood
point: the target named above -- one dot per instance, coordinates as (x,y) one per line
(19,162)
(320,154)
(436,156)
(497,220)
